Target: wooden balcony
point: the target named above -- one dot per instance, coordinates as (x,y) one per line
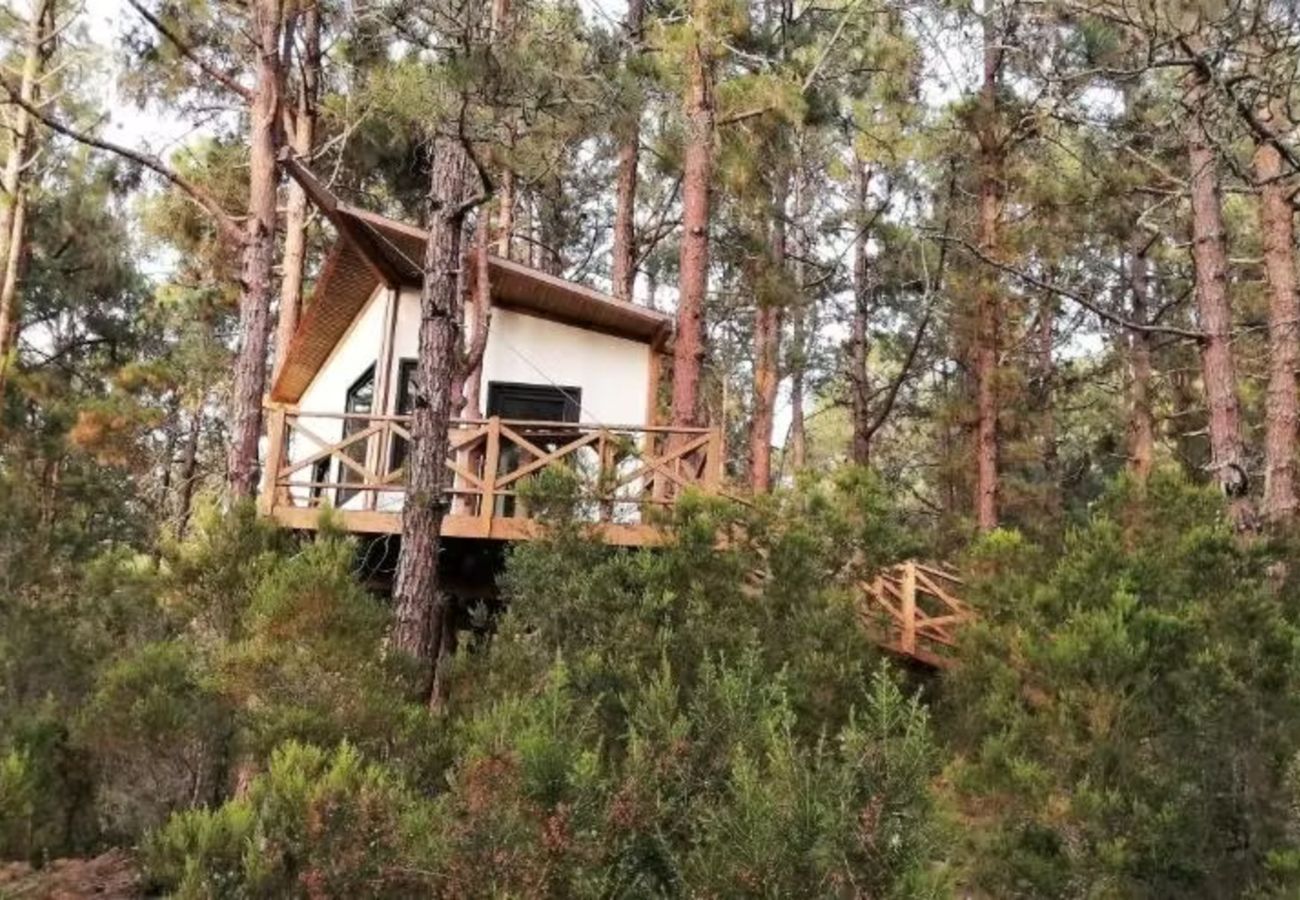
(628,475)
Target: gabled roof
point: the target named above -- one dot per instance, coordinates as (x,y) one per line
(374,250)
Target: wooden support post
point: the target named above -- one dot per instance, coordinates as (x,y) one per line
(605,475)
(491,461)
(713,462)
(274,458)
(907,638)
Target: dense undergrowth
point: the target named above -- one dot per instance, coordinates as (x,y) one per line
(705,719)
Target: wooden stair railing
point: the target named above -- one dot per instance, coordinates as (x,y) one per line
(912,609)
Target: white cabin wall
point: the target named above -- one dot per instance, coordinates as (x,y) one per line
(613,372)
(356,351)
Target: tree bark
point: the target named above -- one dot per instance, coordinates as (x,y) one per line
(697,176)
(420,605)
(506,213)
(767,355)
(13,203)
(1046,377)
(859,331)
(1209,260)
(623,269)
(1277,231)
(259,253)
(472,364)
(987,310)
(189,469)
(804,315)
(1141,425)
(303,142)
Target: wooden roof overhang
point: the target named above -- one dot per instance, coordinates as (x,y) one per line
(373,250)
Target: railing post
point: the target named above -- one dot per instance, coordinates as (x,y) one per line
(713,462)
(491,461)
(274,458)
(605,475)
(907,639)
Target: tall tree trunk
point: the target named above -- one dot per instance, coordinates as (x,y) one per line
(623,273)
(189,470)
(13,203)
(482,300)
(805,316)
(1141,425)
(859,331)
(1277,230)
(1209,259)
(987,312)
(697,177)
(506,213)
(798,421)
(259,254)
(1046,377)
(420,605)
(505,210)
(767,355)
(303,141)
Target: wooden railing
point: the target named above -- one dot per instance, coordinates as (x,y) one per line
(355,464)
(912,609)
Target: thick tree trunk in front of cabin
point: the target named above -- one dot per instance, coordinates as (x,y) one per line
(419,603)
(471,374)
(859,376)
(505,214)
(623,270)
(1141,425)
(505,195)
(303,141)
(13,199)
(259,254)
(1277,231)
(767,354)
(1209,259)
(987,312)
(697,175)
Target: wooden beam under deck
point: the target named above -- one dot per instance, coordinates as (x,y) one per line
(368,521)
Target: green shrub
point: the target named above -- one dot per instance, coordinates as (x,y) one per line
(1125,713)
(158,731)
(316,823)
(17,805)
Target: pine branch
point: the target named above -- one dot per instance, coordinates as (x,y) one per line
(1262,133)
(228,224)
(189,53)
(1087,304)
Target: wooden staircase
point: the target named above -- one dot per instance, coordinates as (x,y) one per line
(913,610)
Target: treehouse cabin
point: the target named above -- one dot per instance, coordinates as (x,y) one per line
(569,379)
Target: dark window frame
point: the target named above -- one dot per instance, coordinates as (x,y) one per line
(351,427)
(570,397)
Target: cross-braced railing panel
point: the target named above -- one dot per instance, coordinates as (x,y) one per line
(356,463)
(914,609)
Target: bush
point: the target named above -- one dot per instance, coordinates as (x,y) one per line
(316,824)
(1125,713)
